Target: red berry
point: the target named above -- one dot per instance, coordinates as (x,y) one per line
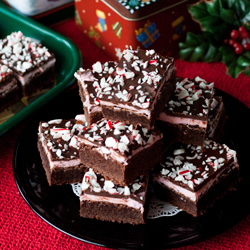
(235,44)
(243,32)
(246,46)
(234,34)
(242,29)
(231,42)
(238,49)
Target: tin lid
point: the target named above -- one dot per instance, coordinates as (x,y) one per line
(135,10)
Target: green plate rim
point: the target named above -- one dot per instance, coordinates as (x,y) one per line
(61,86)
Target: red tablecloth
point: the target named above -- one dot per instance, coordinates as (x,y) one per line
(21,228)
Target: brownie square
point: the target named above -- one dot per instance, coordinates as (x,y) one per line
(134,90)
(103,200)
(58,145)
(185,116)
(118,151)
(32,63)
(194,177)
(9,90)
(91,83)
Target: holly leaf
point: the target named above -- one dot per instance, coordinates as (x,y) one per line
(214,18)
(199,47)
(235,64)
(241,9)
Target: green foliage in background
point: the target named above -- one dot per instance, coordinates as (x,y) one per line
(217,19)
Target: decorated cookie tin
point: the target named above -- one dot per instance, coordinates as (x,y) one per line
(149,24)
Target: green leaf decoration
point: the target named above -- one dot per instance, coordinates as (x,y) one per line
(214,18)
(235,65)
(217,18)
(241,9)
(199,48)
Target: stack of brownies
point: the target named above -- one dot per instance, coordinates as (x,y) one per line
(25,68)
(142,126)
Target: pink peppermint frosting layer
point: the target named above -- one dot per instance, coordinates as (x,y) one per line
(29,76)
(181,120)
(122,201)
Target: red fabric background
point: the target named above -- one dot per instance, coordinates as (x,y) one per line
(20,228)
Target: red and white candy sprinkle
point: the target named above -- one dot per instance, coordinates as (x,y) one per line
(192,166)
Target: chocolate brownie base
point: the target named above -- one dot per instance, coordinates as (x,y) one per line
(39,82)
(119,114)
(186,134)
(9,97)
(111,212)
(9,90)
(227,182)
(60,175)
(92,117)
(217,119)
(119,173)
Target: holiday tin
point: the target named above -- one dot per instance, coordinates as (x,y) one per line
(149,24)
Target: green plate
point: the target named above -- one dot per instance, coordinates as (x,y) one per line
(68,58)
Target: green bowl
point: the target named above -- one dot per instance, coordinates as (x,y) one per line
(68,58)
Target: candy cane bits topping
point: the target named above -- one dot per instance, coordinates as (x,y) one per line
(119,136)
(192,166)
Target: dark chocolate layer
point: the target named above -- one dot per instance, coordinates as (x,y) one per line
(9,90)
(191,99)
(191,167)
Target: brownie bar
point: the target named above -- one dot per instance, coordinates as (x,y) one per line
(134,91)
(91,83)
(9,91)
(194,177)
(185,117)
(31,62)
(58,146)
(103,200)
(118,151)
